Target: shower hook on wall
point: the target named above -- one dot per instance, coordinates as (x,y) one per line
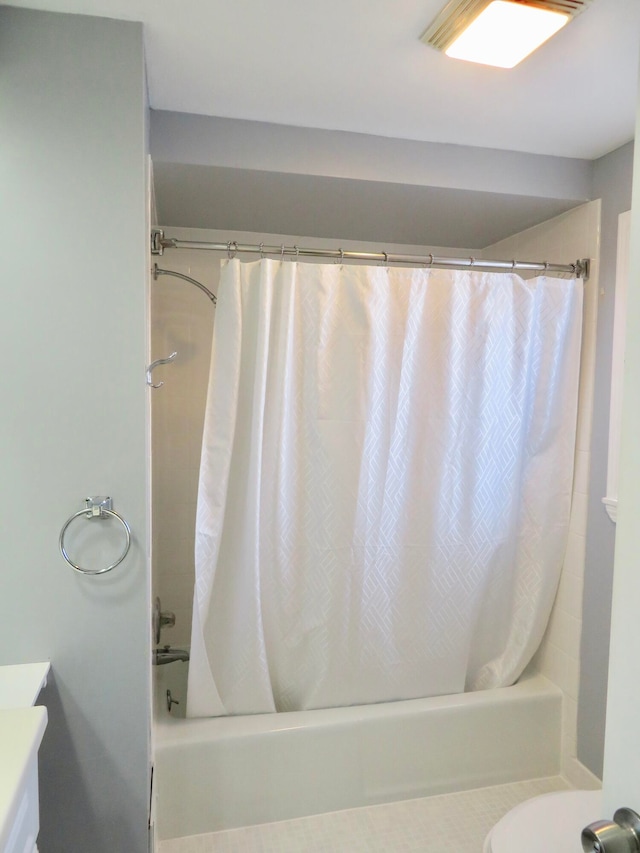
(155,364)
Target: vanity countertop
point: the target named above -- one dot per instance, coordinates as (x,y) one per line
(21,683)
(21,731)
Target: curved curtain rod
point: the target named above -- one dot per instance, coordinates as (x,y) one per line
(579,269)
(158,272)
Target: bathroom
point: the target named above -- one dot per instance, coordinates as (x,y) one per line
(189,764)
(77,413)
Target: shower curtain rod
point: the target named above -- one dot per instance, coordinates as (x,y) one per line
(579,269)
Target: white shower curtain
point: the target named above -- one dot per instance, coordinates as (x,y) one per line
(385,483)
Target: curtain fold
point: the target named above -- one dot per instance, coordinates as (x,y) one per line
(385,483)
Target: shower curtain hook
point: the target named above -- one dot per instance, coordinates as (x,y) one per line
(297,252)
(430,259)
(282,253)
(341,257)
(261,251)
(229,250)
(386,259)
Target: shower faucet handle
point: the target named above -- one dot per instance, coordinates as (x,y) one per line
(167,618)
(160,619)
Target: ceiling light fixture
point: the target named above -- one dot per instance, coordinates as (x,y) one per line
(498,32)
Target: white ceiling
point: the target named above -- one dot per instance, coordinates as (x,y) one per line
(359,66)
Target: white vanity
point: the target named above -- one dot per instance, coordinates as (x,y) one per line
(22,727)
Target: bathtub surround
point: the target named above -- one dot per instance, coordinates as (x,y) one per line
(179,318)
(73,168)
(576,233)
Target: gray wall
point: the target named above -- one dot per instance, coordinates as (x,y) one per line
(235,144)
(612,180)
(219,173)
(72,327)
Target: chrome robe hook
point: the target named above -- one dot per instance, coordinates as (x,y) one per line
(155,364)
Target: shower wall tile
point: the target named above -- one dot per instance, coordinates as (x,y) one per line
(181,321)
(579,776)
(573,235)
(569,596)
(581,473)
(578,522)
(569,735)
(591,302)
(564,632)
(560,668)
(174,552)
(575,554)
(585,400)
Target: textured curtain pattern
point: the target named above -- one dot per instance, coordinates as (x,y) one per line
(385,484)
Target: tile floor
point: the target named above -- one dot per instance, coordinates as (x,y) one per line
(451,823)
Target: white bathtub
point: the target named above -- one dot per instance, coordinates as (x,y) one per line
(234,771)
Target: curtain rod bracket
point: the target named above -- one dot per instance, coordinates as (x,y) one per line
(159,242)
(157,236)
(583,268)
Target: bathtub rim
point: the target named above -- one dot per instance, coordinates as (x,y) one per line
(170,730)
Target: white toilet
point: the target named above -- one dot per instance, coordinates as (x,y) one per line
(551,823)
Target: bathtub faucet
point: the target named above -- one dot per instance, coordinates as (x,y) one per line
(168,655)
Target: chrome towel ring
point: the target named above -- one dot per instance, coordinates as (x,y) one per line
(96,507)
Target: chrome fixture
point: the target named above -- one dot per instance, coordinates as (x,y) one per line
(158,272)
(621,835)
(99,507)
(579,269)
(160,619)
(155,364)
(168,655)
(171,701)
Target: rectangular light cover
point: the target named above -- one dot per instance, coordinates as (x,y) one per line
(505,32)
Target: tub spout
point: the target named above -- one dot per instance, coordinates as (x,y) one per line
(168,655)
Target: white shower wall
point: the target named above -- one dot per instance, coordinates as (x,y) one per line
(572,235)
(181,321)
